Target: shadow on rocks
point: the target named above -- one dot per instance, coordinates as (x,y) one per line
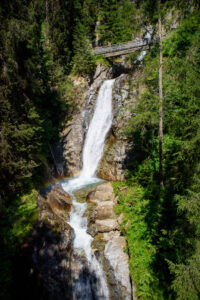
(42,266)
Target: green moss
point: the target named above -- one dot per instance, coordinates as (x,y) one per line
(25,216)
(57,228)
(100,59)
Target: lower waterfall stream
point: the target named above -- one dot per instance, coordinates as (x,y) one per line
(89,281)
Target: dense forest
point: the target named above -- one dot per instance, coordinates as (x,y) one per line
(43,44)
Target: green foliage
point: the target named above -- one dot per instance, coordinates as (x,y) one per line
(41,42)
(100,59)
(117,21)
(83,31)
(171,214)
(132,58)
(29,98)
(133,203)
(83,61)
(187,277)
(17,221)
(34,96)
(100,23)
(25,216)
(58,29)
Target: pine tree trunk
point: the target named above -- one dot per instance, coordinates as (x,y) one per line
(161,103)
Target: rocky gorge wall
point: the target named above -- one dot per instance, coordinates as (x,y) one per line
(47,260)
(115,158)
(108,243)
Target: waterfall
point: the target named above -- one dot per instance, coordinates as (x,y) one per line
(90,284)
(95,139)
(99,126)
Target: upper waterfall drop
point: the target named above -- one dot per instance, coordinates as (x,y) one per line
(95,139)
(98,129)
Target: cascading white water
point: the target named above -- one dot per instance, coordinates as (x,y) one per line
(95,139)
(99,126)
(92,153)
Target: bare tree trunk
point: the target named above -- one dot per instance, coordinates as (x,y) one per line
(47,20)
(161,102)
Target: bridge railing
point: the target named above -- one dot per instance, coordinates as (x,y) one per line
(136,43)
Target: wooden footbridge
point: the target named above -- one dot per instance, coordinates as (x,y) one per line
(126,48)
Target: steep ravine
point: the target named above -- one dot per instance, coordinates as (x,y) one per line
(103,224)
(57,271)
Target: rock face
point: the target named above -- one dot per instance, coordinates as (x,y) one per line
(106,225)
(74,132)
(54,203)
(53,240)
(44,260)
(113,162)
(116,148)
(118,267)
(51,257)
(108,241)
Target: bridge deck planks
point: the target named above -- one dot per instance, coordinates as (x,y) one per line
(120,49)
(125,48)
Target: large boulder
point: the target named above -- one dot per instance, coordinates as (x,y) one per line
(54,203)
(102,217)
(106,225)
(105,210)
(59,201)
(103,192)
